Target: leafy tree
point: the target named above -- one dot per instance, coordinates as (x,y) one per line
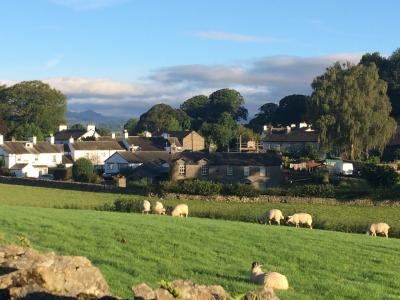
(379,176)
(77,126)
(130,125)
(196,109)
(24,131)
(32,102)
(163,117)
(83,171)
(292,109)
(226,101)
(389,70)
(351,109)
(265,116)
(103,131)
(3,127)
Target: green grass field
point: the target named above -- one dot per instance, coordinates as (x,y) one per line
(347,218)
(319,264)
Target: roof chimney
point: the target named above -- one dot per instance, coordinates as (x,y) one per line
(50,139)
(71,140)
(113,135)
(62,127)
(91,127)
(288,129)
(126,135)
(1,139)
(33,139)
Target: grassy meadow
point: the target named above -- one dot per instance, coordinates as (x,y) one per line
(346,218)
(319,264)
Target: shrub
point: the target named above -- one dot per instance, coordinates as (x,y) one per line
(379,176)
(82,170)
(312,190)
(193,187)
(126,205)
(241,190)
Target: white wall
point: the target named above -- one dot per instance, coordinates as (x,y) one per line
(97,157)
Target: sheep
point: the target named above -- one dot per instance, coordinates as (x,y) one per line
(145,206)
(273,214)
(268,279)
(158,208)
(300,218)
(180,211)
(379,228)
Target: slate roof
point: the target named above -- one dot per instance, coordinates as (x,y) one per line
(40,147)
(66,159)
(149,143)
(230,158)
(158,157)
(66,134)
(97,145)
(18,166)
(295,136)
(180,135)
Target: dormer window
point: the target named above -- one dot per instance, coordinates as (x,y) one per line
(204,170)
(182,169)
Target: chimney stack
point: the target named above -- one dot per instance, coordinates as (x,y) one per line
(71,140)
(33,139)
(1,139)
(113,135)
(62,127)
(51,139)
(126,135)
(91,127)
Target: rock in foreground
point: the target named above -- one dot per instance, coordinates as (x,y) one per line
(28,274)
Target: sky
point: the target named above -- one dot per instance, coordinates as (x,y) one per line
(120,57)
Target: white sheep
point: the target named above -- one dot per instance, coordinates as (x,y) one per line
(382,228)
(300,218)
(273,214)
(181,210)
(158,208)
(268,279)
(145,205)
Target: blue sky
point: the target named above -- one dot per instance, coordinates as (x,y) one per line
(122,56)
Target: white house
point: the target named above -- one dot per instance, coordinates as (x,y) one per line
(64,134)
(96,151)
(30,158)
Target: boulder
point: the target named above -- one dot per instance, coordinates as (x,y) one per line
(264,293)
(143,292)
(26,272)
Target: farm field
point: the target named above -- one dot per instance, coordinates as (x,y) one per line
(319,264)
(346,218)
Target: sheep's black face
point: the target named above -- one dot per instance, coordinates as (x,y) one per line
(254,264)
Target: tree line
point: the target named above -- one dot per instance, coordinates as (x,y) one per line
(354,107)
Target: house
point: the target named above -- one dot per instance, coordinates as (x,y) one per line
(146,164)
(64,134)
(30,158)
(258,169)
(189,140)
(96,151)
(290,137)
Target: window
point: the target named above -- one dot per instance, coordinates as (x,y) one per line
(54,158)
(110,166)
(246,171)
(263,172)
(229,171)
(182,169)
(204,170)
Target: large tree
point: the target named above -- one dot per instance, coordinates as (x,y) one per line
(292,109)
(196,109)
(32,102)
(163,117)
(350,107)
(130,125)
(265,116)
(226,101)
(389,70)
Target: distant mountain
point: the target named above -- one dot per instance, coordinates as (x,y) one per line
(90,116)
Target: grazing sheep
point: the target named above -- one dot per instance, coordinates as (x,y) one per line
(268,279)
(273,214)
(382,228)
(145,205)
(300,218)
(158,208)
(180,211)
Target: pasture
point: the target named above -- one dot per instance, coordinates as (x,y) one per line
(346,218)
(133,248)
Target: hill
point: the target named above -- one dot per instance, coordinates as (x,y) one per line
(90,116)
(132,248)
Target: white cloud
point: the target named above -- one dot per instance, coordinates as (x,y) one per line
(259,80)
(233,37)
(82,5)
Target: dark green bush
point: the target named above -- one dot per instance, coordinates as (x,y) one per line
(312,190)
(241,190)
(379,176)
(126,205)
(192,187)
(83,171)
